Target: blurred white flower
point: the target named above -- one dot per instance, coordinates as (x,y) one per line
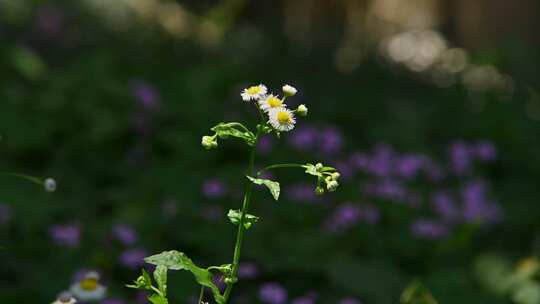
(49,184)
(89,288)
(270,102)
(65,298)
(254,92)
(282,119)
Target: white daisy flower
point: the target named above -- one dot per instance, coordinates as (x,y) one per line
(282,119)
(270,102)
(254,92)
(89,289)
(289,90)
(65,298)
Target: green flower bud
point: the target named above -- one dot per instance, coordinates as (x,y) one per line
(319,190)
(229,280)
(332,185)
(209,142)
(335,176)
(302,110)
(318,166)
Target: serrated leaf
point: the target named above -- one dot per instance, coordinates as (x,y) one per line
(271,185)
(176,260)
(157,299)
(224,130)
(160,275)
(417,293)
(235,216)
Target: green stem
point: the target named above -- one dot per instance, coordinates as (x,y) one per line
(241,229)
(201,294)
(290,165)
(32,179)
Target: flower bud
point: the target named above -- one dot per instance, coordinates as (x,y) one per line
(318,166)
(335,176)
(49,184)
(230,280)
(332,186)
(302,110)
(209,142)
(319,190)
(289,90)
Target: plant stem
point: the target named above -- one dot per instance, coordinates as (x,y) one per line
(201,294)
(241,229)
(290,165)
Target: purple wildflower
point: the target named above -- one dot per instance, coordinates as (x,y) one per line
(345,169)
(265,145)
(429,229)
(125,234)
(133,258)
(247,270)
(146,95)
(330,141)
(476,205)
(217,279)
(273,293)
(344,217)
(66,235)
(381,163)
(213,188)
(485,151)
(460,158)
(359,160)
(408,166)
(303,138)
(445,206)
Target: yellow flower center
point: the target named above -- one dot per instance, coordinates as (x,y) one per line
(274,102)
(254,90)
(89,284)
(283,117)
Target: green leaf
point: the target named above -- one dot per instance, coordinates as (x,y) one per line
(236,215)
(176,260)
(157,299)
(160,275)
(224,130)
(271,185)
(416,293)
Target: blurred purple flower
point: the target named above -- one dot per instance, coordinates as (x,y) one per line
(485,151)
(213,188)
(344,217)
(133,258)
(359,160)
(349,300)
(330,141)
(146,95)
(345,169)
(66,235)
(476,205)
(6,213)
(370,214)
(408,166)
(391,190)
(273,293)
(125,234)
(429,229)
(302,193)
(247,270)
(303,138)
(381,162)
(445,206)
(217,279)
(265,145)
(113,301)
(460,158)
